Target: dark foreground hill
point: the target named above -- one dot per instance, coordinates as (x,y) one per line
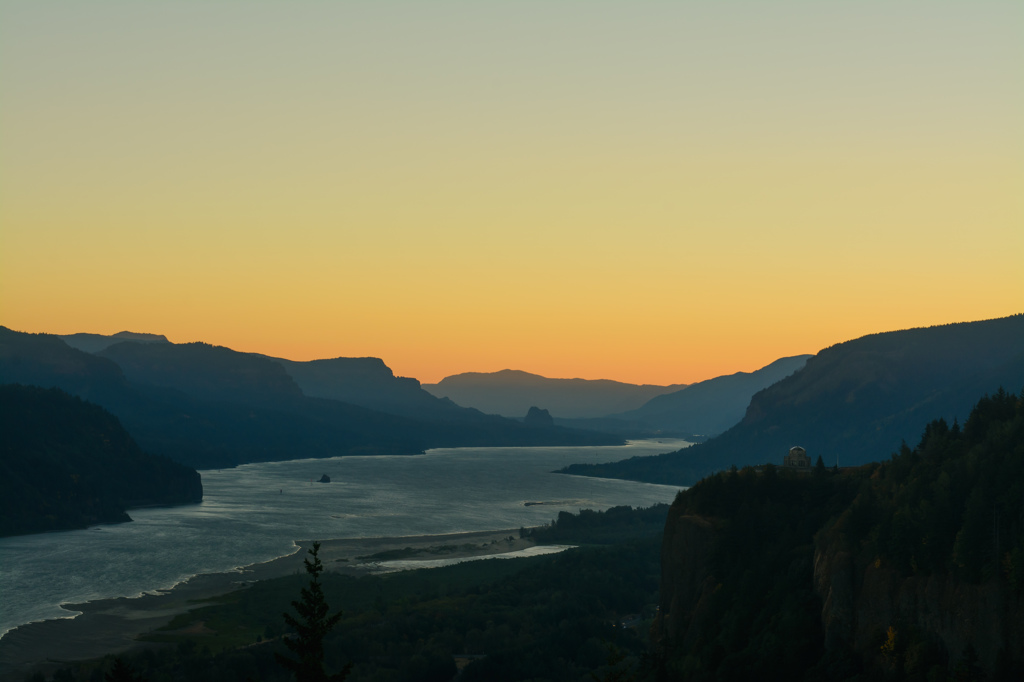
(209,406)
(66,463)
(912,569)
(512,393)
(853,400)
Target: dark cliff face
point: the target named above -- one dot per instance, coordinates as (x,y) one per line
(686,581)
(737,594)
(861,602)
(910,569)
(935,619)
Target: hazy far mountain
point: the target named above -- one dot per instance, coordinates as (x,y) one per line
(94,343)
(696,412)
(710,407)
(853,401)
(511,393)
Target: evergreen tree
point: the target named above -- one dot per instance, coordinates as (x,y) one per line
(311,627)
(122,672)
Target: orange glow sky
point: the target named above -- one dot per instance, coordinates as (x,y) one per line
(649,192)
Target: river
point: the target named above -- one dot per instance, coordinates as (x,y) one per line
(256,512)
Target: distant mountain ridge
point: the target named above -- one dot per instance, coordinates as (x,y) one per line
(210,406)
(366,382)
(203,433)
(94,343)
(853,400)
(370,383)
(704,409)
(511,393)
(204,371)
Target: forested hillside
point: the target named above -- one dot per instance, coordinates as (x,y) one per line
(853,401)
(910,569)
(66,463)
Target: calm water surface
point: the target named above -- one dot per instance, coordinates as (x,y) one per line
(256,512)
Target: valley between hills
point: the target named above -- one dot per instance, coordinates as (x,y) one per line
(898,555)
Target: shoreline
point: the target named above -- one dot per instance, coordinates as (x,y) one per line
(110,626)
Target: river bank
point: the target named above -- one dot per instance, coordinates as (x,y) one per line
(110,626)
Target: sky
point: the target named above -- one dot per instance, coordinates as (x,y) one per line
(653,192)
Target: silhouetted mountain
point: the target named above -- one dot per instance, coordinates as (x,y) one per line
(211,407)
(853,400)
(205,372)
(94,343)
(397,405)
(696,412)
(512,392)
(66,463)
(710,407)
(207,429)
(46,360)
(368,382)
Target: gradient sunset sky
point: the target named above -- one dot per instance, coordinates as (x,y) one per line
(652,192)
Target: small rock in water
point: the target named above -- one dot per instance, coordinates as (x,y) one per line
(325,479)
